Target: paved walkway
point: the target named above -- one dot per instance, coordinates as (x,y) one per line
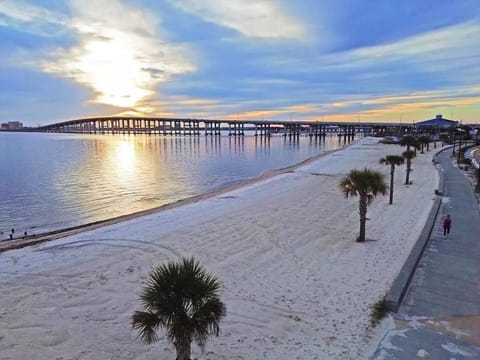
(440,315)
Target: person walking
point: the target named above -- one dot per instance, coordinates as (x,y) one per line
(447,223)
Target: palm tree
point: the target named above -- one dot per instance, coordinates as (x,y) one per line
(424,140)
(392,160)
(408,155)
(366,184)
(183,299)
(409,141)
(428,139)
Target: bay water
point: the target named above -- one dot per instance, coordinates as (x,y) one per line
(54,181)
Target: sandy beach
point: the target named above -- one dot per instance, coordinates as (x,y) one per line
(295,282)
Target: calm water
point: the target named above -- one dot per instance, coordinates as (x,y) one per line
(53,181)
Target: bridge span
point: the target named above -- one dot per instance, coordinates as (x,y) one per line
(196,127)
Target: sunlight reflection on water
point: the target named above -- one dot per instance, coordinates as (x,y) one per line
(52,181)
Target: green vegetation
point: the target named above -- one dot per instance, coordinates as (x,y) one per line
(424,141)
(183,299)
(408,155)
(365,184)
(378,312)
(410,141)
(392,160)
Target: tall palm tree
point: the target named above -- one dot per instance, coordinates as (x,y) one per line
(424,141)
(366,184)
(408,155)
(183,299)
(410,141)
(428,139)
(392,160)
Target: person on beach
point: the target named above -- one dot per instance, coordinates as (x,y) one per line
(447,223)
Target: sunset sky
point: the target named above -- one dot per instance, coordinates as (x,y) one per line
(331,60)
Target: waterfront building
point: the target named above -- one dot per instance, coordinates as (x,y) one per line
(11,125)
(438,122)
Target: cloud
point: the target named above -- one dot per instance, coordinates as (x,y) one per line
(439,58)
(119,54)
(427,100)
(252,18)
(27,17)
(24,12)
(426,72)
(438,51)
(269,114)
(155,73)
(455,95)
(412,107)
(126,63)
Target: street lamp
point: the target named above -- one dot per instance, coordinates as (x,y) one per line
(454,140)
(477,188)
(459,146)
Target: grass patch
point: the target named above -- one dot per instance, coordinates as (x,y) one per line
(378,312)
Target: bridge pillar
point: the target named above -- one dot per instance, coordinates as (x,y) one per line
(208,128)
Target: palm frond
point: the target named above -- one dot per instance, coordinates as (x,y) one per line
(363,182)
(392,160)
(369,198)
(207,319)
(147,323)
(409,154)
(410,141)
(183,298)
(348,187)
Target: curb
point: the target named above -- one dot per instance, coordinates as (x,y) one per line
(397,291)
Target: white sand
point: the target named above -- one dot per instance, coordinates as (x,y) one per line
(296,284)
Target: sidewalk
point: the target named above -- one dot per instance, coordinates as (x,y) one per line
(440,315)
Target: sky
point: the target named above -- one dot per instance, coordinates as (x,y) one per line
(330,60)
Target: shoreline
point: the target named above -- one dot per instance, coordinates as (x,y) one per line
(30,240)
(295,282)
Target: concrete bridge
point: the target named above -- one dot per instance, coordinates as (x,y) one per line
(196,127)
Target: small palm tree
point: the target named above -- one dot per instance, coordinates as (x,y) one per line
(183,299)
(408,155)
(392,160)
(366,184)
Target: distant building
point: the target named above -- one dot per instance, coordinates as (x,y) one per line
(11,125)
(438,122)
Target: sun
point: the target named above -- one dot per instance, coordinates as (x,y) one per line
(116,76)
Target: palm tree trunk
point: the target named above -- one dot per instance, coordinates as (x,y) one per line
(362,210)
(183,350)
(407,180)
(392,171)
